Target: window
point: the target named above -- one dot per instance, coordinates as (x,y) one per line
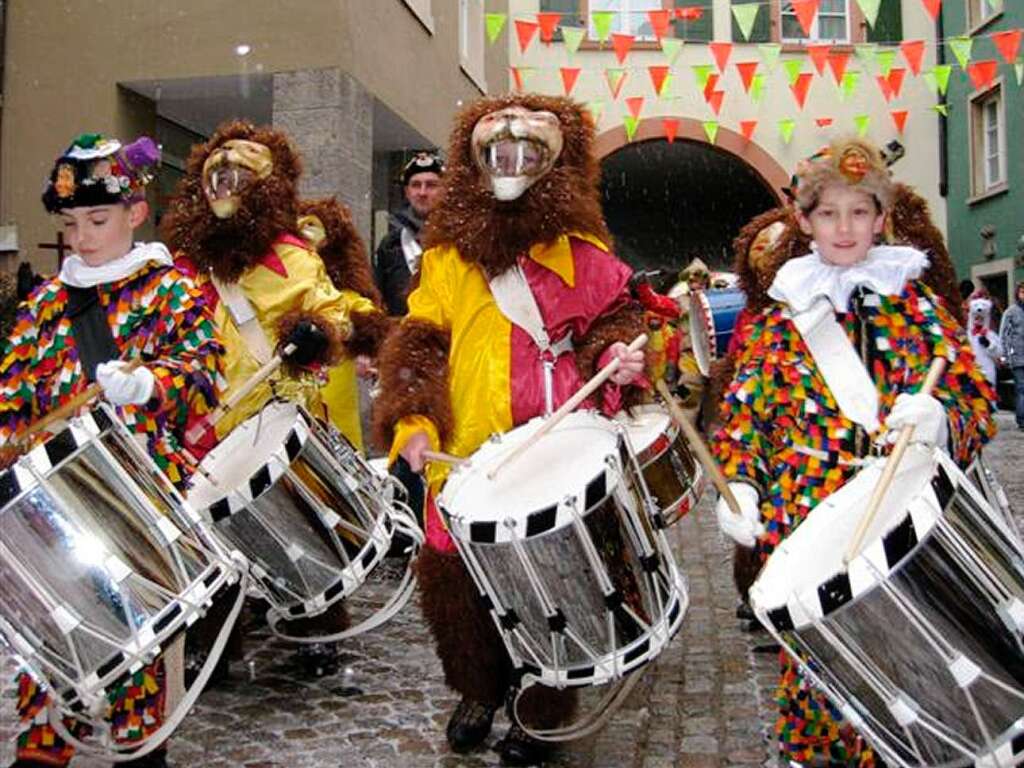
(699,29)
(471,42)
(980,11)
(572,16)
(988,141)
(421,10)
(630,16)
(888,24)
(761,31)
(832,22)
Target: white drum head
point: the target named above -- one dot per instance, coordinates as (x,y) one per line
(645,424)
(702,332)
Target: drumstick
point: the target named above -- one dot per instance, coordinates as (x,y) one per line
(195,432)
(697,444)
(444,458)
(567,407)
(935,372)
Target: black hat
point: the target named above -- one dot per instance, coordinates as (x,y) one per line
(96,170)
(422,162)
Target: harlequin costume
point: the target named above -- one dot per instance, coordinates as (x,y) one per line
(458,369)
(784,431)
(154,313)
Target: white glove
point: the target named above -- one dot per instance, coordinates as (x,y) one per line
(125,388)
(926,414)
(745,527)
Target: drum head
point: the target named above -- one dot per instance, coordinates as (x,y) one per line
(645,424)
(702,332)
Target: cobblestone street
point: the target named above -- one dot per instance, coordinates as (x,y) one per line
(706,702)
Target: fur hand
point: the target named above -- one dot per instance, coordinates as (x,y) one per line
(125,388)
(745,527)
(631,364)
(926,414)
(310,342)
(413,450)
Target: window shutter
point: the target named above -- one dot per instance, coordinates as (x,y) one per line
(761,32)
(889,24)
(700,30)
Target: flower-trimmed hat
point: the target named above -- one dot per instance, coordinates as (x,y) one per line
(96,170)
(422,162)
(853,162)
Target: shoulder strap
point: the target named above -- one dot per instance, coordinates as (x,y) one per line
(244,317)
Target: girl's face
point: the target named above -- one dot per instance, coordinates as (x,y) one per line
(844,224)
(102,233)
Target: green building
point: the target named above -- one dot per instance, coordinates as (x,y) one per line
(984,149)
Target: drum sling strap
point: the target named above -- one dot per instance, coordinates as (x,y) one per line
(90,328)
(244,317)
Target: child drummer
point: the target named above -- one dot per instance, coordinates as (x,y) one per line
(797,421)
(114,301)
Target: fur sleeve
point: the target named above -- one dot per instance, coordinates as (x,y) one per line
(368,332)
(624,324)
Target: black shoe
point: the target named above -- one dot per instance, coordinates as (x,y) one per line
(27,764)
(155,759)
(469,725)
(745,612)
(518,748)
(318,659)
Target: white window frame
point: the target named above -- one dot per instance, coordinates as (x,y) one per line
(422,10)
(814,36)
(980,12)
(623,16)
(472,59)
(981,149)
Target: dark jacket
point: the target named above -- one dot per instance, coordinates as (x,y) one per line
(390,268)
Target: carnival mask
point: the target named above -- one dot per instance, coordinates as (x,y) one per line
(312,230)
(764,244)
(229,168)
(514,147)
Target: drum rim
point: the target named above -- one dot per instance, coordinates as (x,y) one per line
(701,320)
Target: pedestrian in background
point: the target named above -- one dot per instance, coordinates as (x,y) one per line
(1011,332)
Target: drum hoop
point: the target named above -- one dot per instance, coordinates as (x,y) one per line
(702,332)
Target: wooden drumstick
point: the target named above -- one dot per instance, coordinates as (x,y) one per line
(697,444)
(444,458)
(935,371)
(567,407)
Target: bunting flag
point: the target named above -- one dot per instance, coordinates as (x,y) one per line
(547,21)
(702,72)
(569,77)
(913,52)
(596,109)
(769,53)
(823,122)
(866,52)
(747,70)
(525,30)
(982,73)
(1008,43)
(671,47)
(573,36)
(837,62)
(710,85)
(849,86)
(930,82)
(711,130)
(630,123)
(634,104)
(793,68)
(862,122)
(715,100)
(670,125)
(942,109)
(522,75)
(870,10)
(1018,68)
(961,48)
(899,119)
(658,76)
(622,43)
(666,88)
(615,77)
(602,24)
(883,85)
(786,126)
(745,15)
(659,22)
(757,88)
(494,22)
(896,75)
(941,73)
(801,87)
(721,52)
(690,13)
(805,11)
(932,7)
(819,55)
(885,59)
(747,128)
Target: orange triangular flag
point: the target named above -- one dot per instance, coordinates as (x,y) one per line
(635,104)
(801,87)
(569,76)
(837,63)
(747,128)
(899,117)
(913,51)
(896,75)
(982,73)
(709,86)
(525,30)
(1008,43)
(932,6)
(547,21)
(671,127)
(805,11)
(715,100)
(823,122)
(747,70)
(883,84)
(621,43)
(819,55)
(517,76)
(659,22)
(658,74)
(615,78)
(721,52)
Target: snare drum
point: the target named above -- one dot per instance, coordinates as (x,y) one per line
(919,641)
(96,572)
(674,480)
(583,588)
(712,322)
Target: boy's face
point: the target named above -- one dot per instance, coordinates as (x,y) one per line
(844,224)
(102,233)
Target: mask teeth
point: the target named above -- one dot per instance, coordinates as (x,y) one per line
(493,151)
(234,179)
(213,180)
(520,157)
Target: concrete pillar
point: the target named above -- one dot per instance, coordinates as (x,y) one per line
(329,116)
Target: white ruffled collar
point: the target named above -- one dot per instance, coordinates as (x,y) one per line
(79,274)
(885,270)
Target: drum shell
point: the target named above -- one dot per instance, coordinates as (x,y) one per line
(713,316)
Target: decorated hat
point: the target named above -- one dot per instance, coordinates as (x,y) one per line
(422,162)
(96,170)
(853,162)
(695,269)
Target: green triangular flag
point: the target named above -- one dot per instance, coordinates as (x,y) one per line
(995,5)
(866,53)
(862,122)
(711,130)
(961,48)
(702,72)
(666,87)
(870,10)
(849,84)
(941,74)
(885,60)
(770,54)
(757,87)
(573,36)
(745,15)
(1018,68)
(793,68)
(942,109)
(786,126)
(671,47)
(596,109)
(495,23)
(602,24)
(930,81)
(630,123)
(614,77)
